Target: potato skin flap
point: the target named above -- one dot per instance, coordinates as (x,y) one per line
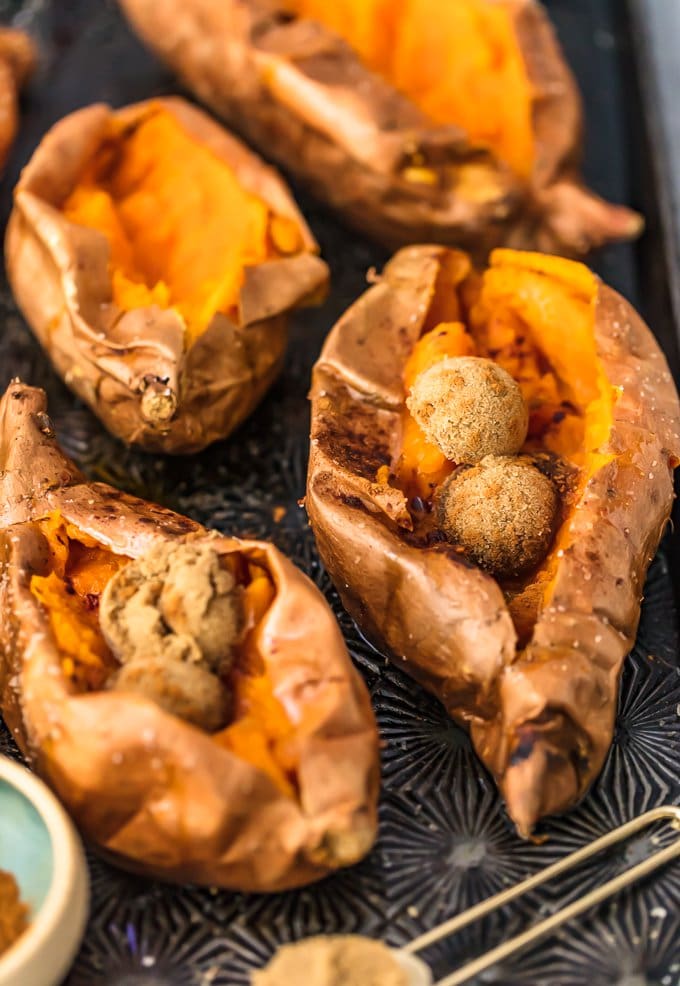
(278,797)
(531,665)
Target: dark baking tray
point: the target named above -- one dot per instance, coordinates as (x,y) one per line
(445,841)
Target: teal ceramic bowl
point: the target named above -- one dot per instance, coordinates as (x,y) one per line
(39,846)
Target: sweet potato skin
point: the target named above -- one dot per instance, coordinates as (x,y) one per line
(542,719)
(133,369)
(299,92)
(156,793)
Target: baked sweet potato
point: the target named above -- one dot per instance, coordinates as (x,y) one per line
(17,62)
(277,789)
(167,257)
(525,647)
(419,120)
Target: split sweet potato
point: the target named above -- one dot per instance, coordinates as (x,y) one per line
(419,120)
(528,657)
(168,257)
(108,692)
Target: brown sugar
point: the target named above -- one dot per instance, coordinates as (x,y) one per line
(501,511)
(173,618)
(13,913)
(469,407)
(333,960)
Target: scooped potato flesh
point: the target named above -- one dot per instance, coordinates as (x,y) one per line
(180,227)
(533,316)
(204,672)
(460,62)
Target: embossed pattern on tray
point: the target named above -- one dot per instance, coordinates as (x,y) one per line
(445,841)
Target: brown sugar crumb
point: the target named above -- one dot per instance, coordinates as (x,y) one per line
(13,913)
(502,512)
(333,960)
(469,407)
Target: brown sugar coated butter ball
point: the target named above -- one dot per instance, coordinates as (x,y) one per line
(333,960)
(469,407)
(502,512)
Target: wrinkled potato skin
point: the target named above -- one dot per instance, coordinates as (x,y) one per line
(299,93)
(446,623)
(111,359)
(157,794)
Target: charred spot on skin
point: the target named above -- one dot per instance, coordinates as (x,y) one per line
(178,527)
(363,446)
(543,728)
(355,450)
(431,537)
(271,20)
(563,475)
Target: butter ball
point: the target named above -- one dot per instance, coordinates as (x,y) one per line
(469,407)
(502,511)
(173,618)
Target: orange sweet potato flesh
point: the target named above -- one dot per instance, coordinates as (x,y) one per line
(181,228)
(459,62)
(261,733)
(516,316)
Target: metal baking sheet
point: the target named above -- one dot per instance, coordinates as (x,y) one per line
(445,841)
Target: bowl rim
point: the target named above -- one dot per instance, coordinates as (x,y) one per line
(69,870)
